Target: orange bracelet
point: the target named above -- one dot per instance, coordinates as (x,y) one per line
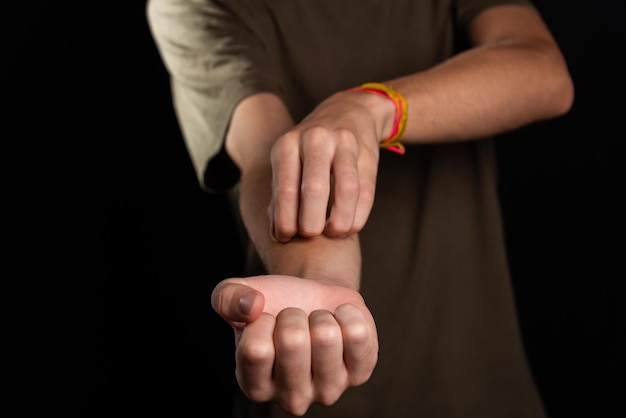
(392,143)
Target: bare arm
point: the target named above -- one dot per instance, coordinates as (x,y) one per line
(515,75)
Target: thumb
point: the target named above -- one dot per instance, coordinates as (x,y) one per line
(237,303)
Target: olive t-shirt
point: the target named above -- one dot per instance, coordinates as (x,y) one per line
(435,274)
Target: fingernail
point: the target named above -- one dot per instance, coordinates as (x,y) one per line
(246,301)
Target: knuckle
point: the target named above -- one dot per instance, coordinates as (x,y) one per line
(296,410)
(349,185)
(357,332)
(296,403)
(310,230)
(366,195)
(286,141)
(338,228)
(256,393)
(285,233)
(347,137)
(284,228)
(283,147)
(367,361)
(359,378)
(357,226)
(285,190)
(325,335)
(315,186)
(316,135)
(328,396)
(293,338)
(255,352)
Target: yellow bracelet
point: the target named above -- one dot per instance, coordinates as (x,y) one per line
(392,143)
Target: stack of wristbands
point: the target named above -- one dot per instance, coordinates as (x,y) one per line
(392,143)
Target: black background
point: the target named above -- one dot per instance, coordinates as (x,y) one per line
(113,232)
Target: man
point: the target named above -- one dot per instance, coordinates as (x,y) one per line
(379,272)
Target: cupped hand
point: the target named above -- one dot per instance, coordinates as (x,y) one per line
(298,341)
(325,168)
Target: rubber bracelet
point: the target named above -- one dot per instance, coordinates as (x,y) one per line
(392,143)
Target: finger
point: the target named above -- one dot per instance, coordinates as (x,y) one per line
(346,188)
(286,177)
(254,357)
(360,343)
(292,368)
(238,304)
(330,377)
(368,172)
(317,152)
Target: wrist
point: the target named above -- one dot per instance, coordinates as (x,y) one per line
(327,260)
(381,110)
(391,140)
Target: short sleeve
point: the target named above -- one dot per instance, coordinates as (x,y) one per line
(214,61)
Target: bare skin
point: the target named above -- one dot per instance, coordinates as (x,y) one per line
(312,351)
(303,333)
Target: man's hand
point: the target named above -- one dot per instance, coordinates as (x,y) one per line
(327,165)
(298,341)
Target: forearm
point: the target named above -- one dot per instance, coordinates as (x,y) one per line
(330,260)
(515,77)
(255,124)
